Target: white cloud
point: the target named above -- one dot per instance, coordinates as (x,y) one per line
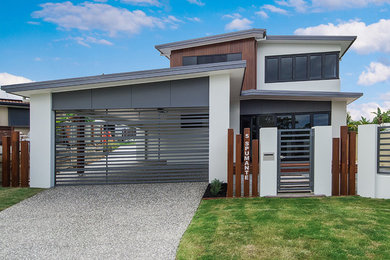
(371,37)
(299,5)
(142,2)
(85,41)
(196,2)
(238,24)
(232,16)
(33,23)
(376,72)
(262,14)
(365,109)
(321,5)
(194,19)
(9,79)
(103,17)
(274,9)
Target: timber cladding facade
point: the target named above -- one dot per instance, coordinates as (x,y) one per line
(247,48)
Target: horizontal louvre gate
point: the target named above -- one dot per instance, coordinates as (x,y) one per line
(295,173)
(383,150)
(132,146)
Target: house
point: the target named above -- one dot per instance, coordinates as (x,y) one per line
(170,125)
(14,115)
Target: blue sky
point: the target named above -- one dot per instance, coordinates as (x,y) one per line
(43,40)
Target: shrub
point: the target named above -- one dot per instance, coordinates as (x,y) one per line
(215,187)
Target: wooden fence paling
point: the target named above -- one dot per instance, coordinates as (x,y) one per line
(246,180)
(344,158)
(230,162)
(255,168)
(238,165)
(336,167)
(15,159)
(352,164)
(24,164)
(6,175)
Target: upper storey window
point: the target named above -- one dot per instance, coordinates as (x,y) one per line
(194,60)
(301,67)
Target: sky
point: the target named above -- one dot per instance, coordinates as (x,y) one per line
(45,40)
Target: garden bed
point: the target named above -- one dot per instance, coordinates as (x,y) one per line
(221,194)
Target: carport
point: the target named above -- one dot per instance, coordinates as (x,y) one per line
(166,125)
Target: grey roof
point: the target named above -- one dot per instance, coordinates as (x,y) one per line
(311,37)
(165,49)
(348,40)
(137,75)
(278,94)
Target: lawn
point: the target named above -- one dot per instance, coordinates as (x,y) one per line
(286,228)
(11,196)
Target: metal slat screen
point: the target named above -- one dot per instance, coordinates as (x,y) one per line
(295,160)
(111,146)
(383,150)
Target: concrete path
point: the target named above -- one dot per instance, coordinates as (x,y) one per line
(143,221)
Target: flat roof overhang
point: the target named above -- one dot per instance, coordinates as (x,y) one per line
(236,70)
(349,97)
(344,42)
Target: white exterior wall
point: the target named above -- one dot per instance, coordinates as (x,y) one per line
(268,169)
(269,49)
(338,117)
(41,141)
(219,109)
(367,159)
(3,116)
(323,160)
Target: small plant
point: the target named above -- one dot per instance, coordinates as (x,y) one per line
(215,187)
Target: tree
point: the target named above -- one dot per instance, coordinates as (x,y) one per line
(381,117)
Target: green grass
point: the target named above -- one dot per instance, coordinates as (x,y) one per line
(285,228)
(11,196)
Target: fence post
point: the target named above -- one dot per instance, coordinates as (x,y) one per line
(352,164)
(344,158)
(15,159)
(238,165)
(230,162)
(246,161)
(24,164)
(336,167)
(255,167)
(6,161)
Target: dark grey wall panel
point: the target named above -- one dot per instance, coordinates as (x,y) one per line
(152,95)
(117,97)
(18,116)
(253,107)
(190,92)
(178,93)
(72,100)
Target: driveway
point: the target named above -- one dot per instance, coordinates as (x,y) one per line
(142,221)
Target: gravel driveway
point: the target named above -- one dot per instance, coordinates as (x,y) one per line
(143,221)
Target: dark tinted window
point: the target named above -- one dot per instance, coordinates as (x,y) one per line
(284,122)
(204,59)
(271,73)
(300,68)
(330,66)
(18,116)
(285,69)
(212,59)
(234,56)
(191,60)
(315,67)
(320,119)
(302,121)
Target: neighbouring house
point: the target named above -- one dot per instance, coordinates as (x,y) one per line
(170,125)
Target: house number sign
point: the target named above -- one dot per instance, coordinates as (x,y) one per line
(246,155)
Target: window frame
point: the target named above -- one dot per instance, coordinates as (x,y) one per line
(294,56)
(197,58)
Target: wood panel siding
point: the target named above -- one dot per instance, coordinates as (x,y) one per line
(246,46)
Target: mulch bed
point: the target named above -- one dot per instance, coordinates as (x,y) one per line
(221,193)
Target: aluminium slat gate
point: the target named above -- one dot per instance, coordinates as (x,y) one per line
(295,160)
(383,150)
(112,146)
